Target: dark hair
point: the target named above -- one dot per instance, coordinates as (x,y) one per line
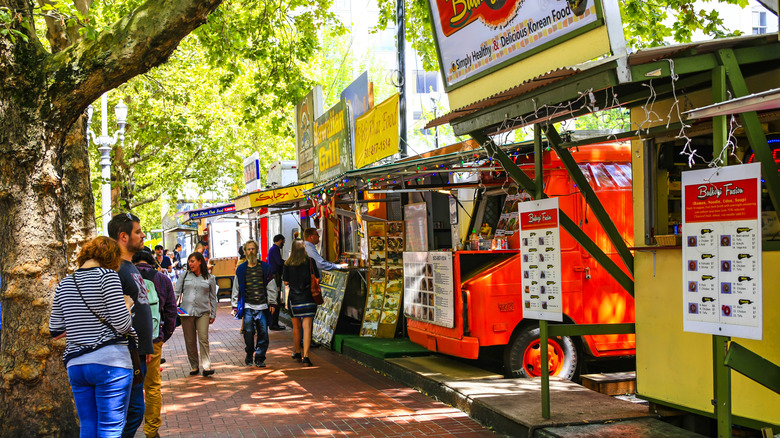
(241,252)
(158,247)
(121,223)
(144,256)
(104,250)
(204,268)
(178,245)
(278,237)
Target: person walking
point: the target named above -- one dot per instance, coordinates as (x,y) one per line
(125,228)
(90,310)
(275,294)
(177,263)
(166,324)
(198,292)
(250,303)
(296,274)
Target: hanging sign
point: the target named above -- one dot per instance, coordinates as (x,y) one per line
(475,37)
(269,197)
(429,291)
(540,246)
(332,150)
(306,112)
(213,211)
(722,251)
(509,222)
(376,133)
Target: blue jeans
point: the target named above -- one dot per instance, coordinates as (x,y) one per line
(256,321)
(101,394)
(135,411)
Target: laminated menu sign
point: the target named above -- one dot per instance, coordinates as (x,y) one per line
(428,287)
(332,284)
(540,246)
(508,222)
(722,251)
(385,279)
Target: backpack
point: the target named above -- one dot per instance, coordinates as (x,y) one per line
(154,301)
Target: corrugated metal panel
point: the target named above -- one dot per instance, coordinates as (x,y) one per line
(640,57)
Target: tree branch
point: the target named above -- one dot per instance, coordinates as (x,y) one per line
(141,40)
(144,201)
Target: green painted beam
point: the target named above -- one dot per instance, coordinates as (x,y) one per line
(752,126)
(591,329)
(685,64)
(567,224)
(538,156)
(753,366)
(590,197)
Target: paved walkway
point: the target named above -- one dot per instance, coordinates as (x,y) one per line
(335,397)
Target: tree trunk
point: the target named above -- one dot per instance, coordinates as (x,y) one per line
(46,202)
(35,395)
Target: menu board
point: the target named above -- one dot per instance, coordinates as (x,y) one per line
(385,279)
(332,284)
(722,276)
(508,222)
(429,291)
(540,245)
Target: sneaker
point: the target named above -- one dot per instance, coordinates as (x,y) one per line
(297,356)
(259,364)
(248,359)
(307,362)
(277,328)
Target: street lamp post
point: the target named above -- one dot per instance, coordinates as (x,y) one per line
(104,143)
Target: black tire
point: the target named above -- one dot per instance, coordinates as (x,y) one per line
(523,338)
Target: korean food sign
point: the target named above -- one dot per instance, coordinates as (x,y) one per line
(475,36)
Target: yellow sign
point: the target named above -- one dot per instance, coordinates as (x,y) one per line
(376,133)
(269,197)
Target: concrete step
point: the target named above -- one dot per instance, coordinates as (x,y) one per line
(641,427)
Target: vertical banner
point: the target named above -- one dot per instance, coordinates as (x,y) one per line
(377,278)
(540,245)
(416,224)
(306,113)
(332,150)
(722,251)
(356,96)
(376,133)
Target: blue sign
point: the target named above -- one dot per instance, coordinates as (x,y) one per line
(356,96)
(215,211)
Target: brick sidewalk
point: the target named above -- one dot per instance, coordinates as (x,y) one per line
(336,397)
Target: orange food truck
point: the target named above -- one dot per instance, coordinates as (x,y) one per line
(484,307)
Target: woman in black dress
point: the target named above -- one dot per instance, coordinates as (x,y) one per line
(297,275)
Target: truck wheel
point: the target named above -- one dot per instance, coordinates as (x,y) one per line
(523,357)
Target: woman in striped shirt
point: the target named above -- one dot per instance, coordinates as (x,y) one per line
(90,307)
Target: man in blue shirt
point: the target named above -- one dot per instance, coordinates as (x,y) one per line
(312,238)
(274,297)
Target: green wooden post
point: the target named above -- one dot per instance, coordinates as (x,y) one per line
(722,382)
(545,370)
(543,335)
(538,156)
(721,374)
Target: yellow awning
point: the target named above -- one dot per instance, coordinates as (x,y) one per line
(270,197)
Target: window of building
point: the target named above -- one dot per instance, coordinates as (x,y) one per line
(417,115)
(426,82)
(759,22)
